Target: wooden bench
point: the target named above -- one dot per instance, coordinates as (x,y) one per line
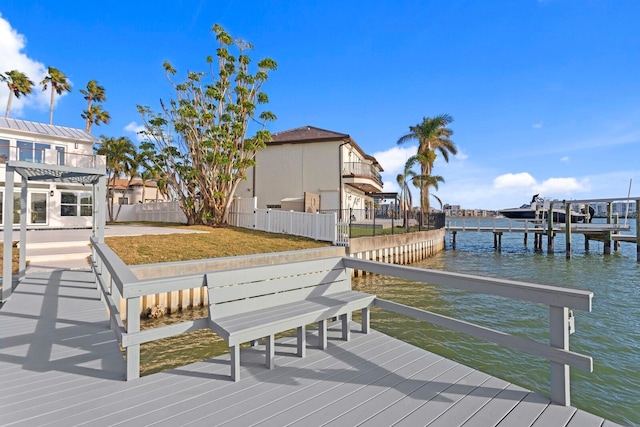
(258,302)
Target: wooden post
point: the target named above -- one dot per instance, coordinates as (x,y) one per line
(586,242)
(616,221)
(550,229)
(567,213)
(302,341)
(559,338)
(133,326)
(22,258)
(495,240)
(638,230)
(526,237)
(454,241)
(7,250)
(607,234)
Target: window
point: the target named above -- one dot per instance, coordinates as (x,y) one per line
(32,151)
(38,208)
(123,200)
(60,155)
(86,204)
(76,204)
(68,204)
(4,150)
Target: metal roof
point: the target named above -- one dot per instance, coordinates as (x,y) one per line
(46,129)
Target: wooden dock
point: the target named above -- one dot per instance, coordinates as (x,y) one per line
(60,365)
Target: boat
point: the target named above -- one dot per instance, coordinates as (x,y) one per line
(536,211)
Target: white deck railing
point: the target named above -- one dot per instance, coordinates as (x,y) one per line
(116,282)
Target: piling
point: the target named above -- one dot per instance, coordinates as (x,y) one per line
(567,233)
(550,229)
(638,230)
(607,234)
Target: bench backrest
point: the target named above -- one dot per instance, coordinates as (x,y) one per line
(247,289)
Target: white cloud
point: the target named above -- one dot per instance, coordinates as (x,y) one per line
(12,58)
(562,187)
(461,155)
(537,125)
(393,161)
(135,129)
(514,181)
(565,159)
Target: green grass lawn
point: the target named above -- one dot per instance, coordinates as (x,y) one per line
(181,350)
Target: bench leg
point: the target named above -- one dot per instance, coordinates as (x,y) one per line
(235,363)
(366,315)
(345,327)
(270,352)
(302,341)
(322,334)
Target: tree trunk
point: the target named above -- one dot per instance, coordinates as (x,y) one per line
(51,107)
(9,104)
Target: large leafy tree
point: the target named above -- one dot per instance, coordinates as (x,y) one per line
(433,136)
(200,136)
(57,81)
(18,83)
(94,114)
(121,159)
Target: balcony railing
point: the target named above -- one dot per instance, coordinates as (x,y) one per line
(50,156)
(361,169)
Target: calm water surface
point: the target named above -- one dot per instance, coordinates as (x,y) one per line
(610,333)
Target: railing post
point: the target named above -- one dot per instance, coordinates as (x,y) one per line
(559,338)
(133,326)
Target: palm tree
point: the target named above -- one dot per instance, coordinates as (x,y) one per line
(120,153)
(94,114)
(432,135)
(59,84)
(19,84)
(406,199)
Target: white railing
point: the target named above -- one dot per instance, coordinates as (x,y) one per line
(50,156)
(117,282)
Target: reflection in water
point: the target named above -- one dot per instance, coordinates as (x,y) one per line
(610,333)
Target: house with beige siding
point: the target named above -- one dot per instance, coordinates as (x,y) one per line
(310,166)
(132,191)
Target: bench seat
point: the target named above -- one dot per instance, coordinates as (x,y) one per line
(268,300)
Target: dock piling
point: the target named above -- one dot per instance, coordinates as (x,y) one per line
(567,233)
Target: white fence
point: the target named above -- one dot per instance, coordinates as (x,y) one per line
(316,226)
(160,212)
(150,212)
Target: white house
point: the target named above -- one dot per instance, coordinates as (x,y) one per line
(56,160)
(312,164)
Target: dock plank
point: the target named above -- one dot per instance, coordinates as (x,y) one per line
(60,365)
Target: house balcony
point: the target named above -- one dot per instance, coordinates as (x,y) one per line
(44,164)
(41,157)
(363,176)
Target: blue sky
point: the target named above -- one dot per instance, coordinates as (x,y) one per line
(545,94)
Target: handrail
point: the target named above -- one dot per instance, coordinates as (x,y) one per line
(498,337)
(531,292)
(558,299)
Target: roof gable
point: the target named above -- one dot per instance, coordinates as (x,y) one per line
(307,134)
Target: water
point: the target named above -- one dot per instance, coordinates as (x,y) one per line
(610,333)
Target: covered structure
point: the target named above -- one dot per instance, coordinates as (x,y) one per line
(24,165)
